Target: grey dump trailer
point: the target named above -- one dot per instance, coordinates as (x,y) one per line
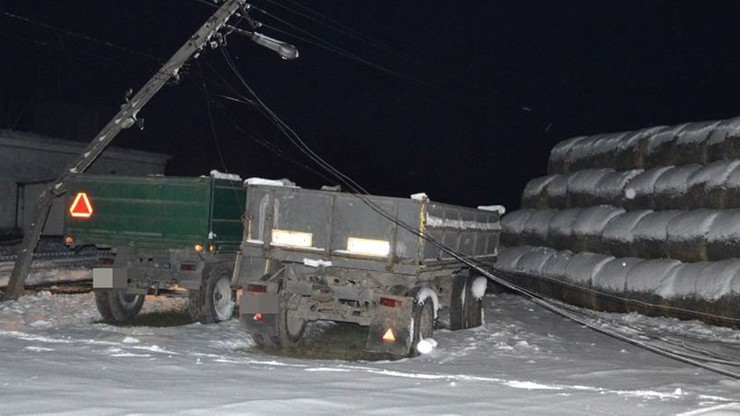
(310,255)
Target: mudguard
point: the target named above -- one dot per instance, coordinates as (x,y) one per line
(398,320)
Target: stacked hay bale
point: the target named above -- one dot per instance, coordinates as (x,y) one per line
(646,220)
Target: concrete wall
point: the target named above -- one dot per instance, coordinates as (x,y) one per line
(29,162)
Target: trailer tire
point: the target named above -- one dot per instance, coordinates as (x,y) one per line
(215,301)
(117,306)
(290,328)
(457,302)
(474,304)
(423,325)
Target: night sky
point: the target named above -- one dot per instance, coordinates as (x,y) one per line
(461,100)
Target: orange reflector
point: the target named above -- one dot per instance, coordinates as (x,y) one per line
(69,240)
(257,317)
(81,206)
(388,336)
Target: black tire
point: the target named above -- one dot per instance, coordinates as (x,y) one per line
(290,328)
(457,301)
(423,324)
(473,306)
(117,306)
(286,333)
(215,301)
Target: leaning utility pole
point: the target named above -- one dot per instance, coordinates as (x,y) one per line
(207,34)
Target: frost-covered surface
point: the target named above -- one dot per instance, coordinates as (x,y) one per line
(54,359)
(582,267)
(668,278)
(697,142)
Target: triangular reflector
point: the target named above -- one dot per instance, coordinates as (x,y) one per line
(388,336)
(81,206)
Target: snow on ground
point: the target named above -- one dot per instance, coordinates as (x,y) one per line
(55,358)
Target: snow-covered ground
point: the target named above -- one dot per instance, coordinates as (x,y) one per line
(55,359)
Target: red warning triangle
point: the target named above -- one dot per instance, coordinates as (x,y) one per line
(81,206)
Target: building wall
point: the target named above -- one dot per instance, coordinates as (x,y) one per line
(29,163)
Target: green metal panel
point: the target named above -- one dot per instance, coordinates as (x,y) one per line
(155,212)
(228,204)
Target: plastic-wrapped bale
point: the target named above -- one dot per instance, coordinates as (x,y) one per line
(630,152)
(511,227)
(557,191)
(723,239)
(650,233)
(508,257)
(581,187)
(535,229)
(597,153)
(559,154)
(560,233)
(645,277)
(715,281)
(660,149)
(582,267)
(533,259)
(730,195)
(686,235)
(671,188)
(554,266)
(680,283)
(691,143)
(617,237)
(535,193)
(589,225)
(610,188)
(707,186)
(574,159)
(638,193)
(612,277)
(724,142)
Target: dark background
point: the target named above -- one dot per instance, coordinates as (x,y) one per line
(461,100)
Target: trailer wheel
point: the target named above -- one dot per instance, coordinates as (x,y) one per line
(215,300)
(473,303)
(290,327)
(423,324)
(117,306)
(457,302)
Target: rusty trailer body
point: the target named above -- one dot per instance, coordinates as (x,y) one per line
(311,255)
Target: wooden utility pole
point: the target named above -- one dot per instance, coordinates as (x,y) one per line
(124,119)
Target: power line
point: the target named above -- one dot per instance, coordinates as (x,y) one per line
(84,37)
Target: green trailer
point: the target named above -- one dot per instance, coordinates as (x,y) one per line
(164,235)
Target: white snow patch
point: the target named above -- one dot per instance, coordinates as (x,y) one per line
(316,263)
(433,221)
(269,182)
(426,346)
(225,176)
(480,284)
(493,208)
(427,293)
(421,196)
